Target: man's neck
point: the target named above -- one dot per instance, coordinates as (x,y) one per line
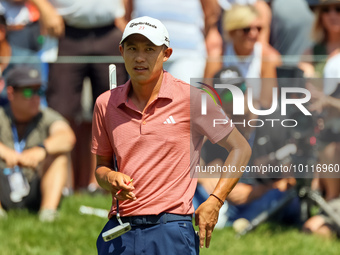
(142,94)
(20,119)
(21,125)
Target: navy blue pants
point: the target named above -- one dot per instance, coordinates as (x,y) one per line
(170,238)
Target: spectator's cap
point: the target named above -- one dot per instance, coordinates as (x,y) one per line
(315,3)
(151,28)
(230,74)
(23,76)
(239,16)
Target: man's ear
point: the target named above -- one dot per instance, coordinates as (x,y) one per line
(167,54)
(10,93)
(121,49)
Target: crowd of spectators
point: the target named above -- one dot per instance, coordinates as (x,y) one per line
(250,37)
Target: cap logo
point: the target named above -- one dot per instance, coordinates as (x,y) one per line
(166,39)
(142,23)
(33,73)
(229,74)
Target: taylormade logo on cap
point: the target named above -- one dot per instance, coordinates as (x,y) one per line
(149,27)
(142,23)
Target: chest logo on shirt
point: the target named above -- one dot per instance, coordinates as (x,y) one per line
(170,120)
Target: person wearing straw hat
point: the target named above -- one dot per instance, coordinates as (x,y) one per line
(325,34)
(242,48)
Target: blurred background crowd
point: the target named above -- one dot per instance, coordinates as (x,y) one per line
(72,42)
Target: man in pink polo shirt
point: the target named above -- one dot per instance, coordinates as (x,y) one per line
(150,126)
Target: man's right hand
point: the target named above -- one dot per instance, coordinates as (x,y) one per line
(113,181)
(32,157)
(118,182)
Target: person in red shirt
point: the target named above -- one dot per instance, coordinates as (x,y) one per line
(150,126)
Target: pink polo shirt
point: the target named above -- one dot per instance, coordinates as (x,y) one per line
(156,148)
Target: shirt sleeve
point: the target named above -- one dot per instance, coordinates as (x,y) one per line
(101,144)
(215,124)
(50,116)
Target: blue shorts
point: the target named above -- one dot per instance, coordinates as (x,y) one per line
(175,237)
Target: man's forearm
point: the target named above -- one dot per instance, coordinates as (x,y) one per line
(236,159)
(211,10)
(60,142)
(101,174)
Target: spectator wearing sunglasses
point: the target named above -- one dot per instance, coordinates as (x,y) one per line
(34,147)
(326,37)
(261,6)
(242,48)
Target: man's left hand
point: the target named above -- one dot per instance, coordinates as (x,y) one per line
(32,157)
(206,217)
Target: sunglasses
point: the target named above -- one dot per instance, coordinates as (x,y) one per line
(327,9)
(227,96)
(28,93)
(246,30)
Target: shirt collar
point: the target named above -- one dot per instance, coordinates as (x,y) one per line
(167,85)
(165,90)
(123,92)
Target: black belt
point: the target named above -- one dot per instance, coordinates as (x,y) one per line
(155,219)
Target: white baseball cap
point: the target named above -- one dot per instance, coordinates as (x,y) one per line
(151,28)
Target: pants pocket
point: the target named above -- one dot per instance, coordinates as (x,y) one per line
(189,237)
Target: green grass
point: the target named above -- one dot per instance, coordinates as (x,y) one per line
(22,233)
(74,234)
